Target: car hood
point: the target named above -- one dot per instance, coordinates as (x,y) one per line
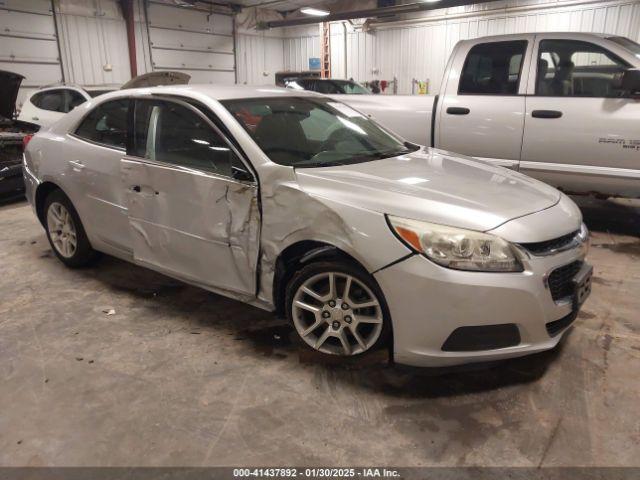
(434,186)
(9,86)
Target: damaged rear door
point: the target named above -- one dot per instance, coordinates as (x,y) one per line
(192,201)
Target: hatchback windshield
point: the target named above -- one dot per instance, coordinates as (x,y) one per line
(314,132)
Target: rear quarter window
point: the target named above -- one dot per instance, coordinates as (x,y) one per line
(106,124)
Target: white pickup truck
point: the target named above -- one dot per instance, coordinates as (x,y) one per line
(561,107)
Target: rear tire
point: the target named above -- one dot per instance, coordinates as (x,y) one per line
(338,309)
(65,232)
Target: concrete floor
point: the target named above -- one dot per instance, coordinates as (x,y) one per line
(178,376)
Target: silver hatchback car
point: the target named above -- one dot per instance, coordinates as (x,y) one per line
(301,205)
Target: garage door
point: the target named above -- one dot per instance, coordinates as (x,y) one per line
(29,46)
(193,41)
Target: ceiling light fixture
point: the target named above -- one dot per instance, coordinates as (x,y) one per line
(316,12)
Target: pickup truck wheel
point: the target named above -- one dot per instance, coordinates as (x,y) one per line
(65,232)
(337,309)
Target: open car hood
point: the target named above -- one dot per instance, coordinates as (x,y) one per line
(156,79)
(9,86)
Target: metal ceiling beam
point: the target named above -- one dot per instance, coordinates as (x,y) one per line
(371,13)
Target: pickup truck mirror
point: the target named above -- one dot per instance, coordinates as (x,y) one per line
(630,83)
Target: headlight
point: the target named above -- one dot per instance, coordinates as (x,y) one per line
(457,248)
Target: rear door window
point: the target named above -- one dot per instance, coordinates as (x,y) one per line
(493,69)
(106,124)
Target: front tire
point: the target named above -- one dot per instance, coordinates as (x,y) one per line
(337,309)
(65,232)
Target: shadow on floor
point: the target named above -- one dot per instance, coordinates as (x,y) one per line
(613,216)
(274,339)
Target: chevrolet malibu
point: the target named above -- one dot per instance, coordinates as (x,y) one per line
(301,205)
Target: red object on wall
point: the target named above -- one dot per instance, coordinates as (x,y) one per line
(127,12)
(383,85)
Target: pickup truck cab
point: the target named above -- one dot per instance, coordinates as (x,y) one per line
(560,107)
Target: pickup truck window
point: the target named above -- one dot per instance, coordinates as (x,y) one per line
(572,68)
(493,68)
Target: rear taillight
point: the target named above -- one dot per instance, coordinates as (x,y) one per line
(26,139)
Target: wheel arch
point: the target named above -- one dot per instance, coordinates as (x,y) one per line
(42,192)
(298,254)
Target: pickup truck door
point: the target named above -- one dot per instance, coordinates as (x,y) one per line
(481,109)
(192,201)
(580,133)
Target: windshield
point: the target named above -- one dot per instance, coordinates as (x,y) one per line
(630,45)
(314,132)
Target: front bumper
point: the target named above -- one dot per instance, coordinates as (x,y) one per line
(428,303)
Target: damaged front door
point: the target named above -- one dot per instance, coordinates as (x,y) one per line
(192,212)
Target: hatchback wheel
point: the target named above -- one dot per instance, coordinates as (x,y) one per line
(337,309)
(65,232)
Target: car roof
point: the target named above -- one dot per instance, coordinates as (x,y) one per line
(216,92)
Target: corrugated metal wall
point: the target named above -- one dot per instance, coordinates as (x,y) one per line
(28,43)
(194,41)
(93,42)
(420,50)
(258,58)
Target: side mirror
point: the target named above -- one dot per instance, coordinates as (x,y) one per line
(630,83)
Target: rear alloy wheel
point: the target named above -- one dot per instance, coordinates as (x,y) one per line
(336,311)
(62,230)
(65,231)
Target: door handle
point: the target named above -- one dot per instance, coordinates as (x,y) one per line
(458,111)
(35,118)
(546,114)
(136,188)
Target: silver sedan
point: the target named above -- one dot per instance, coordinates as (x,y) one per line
(301,205)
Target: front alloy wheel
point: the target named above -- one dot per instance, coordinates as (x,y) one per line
(336,313)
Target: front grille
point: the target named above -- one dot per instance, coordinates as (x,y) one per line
(561,280)
(482,337)
(548,246)
(557,326)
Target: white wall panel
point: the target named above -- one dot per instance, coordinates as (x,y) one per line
(28,43)
(194,41)
(93,41)
(421,49)
(259,58)
(298,50)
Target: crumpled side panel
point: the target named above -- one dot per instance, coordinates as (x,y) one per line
(290,215)
(203,229)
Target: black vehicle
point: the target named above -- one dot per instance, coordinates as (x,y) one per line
(327,85)
(13,134)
